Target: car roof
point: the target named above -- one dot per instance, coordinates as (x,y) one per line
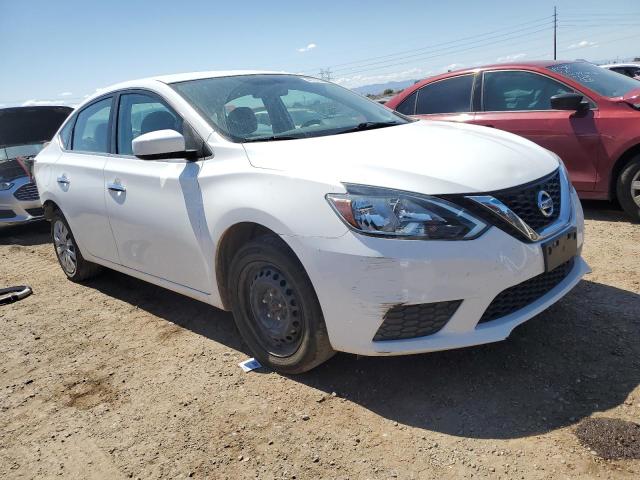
(174,78)
(510,65)
(613,65)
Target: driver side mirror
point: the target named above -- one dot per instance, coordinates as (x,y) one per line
(162,144)
(570,101)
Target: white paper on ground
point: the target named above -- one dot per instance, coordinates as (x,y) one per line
(250,364)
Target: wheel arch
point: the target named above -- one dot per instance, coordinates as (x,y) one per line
(622,162)
(233,238)
(49,208)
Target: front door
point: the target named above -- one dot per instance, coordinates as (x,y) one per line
(519,102)
(155,206)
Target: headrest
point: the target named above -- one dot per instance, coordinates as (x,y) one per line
(242,121)
(158,121)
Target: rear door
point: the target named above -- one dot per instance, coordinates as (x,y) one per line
(449,100)
(79,178)
(155,206)
(519,102)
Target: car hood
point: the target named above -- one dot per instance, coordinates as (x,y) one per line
(424,156)
(27,125)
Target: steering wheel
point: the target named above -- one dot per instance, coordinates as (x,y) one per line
(313,121)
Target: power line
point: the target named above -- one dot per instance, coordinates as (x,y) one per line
(381,67)
(418,55)
(513,29)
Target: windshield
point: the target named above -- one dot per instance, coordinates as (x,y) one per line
(266,107)
(600,80)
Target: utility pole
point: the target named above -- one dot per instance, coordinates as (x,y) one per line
(555,33)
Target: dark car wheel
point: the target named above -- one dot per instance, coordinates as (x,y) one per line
(73,264)
(275,307)
(628,188)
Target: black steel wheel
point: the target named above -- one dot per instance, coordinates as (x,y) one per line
(275,307)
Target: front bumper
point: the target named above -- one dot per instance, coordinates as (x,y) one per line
(358,279)
(14,211)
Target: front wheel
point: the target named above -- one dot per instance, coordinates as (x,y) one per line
(628,188)
(275,307)
(73,264)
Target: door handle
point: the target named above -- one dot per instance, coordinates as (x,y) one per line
(116,187)
(63,180)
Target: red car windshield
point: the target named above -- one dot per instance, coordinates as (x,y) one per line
(600,80)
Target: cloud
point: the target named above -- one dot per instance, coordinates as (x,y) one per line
(582,44)
(510,58)
(33,102)
(65,94)
(311,46)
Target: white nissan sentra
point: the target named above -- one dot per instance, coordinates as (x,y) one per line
(324,221)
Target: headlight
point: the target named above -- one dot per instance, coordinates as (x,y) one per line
(5,185)
(393,213)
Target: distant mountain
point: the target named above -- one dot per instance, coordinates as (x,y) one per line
(378,88)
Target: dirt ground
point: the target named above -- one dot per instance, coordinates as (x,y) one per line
(120,379)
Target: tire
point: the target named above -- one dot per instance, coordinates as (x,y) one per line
(628,188)
(73,264)
(275,307)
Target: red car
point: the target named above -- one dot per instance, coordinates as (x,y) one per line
(587,115)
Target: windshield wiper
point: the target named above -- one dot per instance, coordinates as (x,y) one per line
(369,126)
(273,138)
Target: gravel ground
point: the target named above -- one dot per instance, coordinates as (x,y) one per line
(120,379)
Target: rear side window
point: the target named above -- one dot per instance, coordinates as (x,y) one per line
(519,91)
(65,134)
(91,132)
(408,105)
(452,95)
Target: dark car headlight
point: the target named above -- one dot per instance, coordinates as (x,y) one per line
(394,213)
(5,185)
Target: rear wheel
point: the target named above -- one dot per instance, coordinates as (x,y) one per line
(276,308)
(628,188)
(73,264)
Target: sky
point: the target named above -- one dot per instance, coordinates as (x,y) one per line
(62,51)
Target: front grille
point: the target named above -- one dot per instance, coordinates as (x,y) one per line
(7,214)
(411,321)
(28,191)
(523,200)
(35,212)
(519,296)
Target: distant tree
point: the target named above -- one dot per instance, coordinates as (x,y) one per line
(370,95)
(388,91)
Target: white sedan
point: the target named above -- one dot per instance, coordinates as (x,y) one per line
(352,228)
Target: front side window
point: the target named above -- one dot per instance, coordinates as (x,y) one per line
(282,107)
(452,95)
(139,114)
(605,82)
(519,91)
(91,132)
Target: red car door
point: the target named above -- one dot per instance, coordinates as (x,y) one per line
(519,102)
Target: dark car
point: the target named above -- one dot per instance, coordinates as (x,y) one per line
(23,133)
(588,115)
